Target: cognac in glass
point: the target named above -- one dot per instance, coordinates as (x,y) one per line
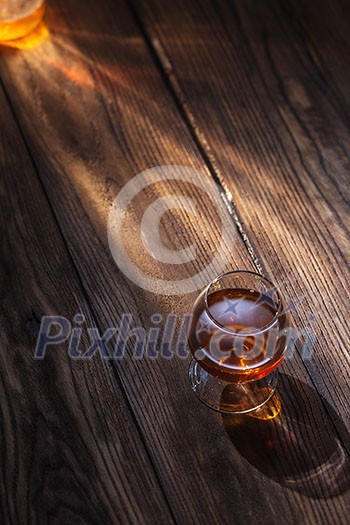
(238,337)
(19,17)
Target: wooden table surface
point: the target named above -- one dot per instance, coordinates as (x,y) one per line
(256,97)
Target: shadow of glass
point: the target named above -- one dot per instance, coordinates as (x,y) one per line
(292,441)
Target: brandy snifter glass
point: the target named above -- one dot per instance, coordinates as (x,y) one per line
(238,337)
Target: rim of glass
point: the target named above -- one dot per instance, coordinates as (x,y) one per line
(243,332)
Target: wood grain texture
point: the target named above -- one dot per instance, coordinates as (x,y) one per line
(70,452)
(93,98)
(265,87)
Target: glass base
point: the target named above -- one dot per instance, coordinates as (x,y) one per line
(233,398)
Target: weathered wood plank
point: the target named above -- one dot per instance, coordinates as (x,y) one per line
(268,104)
(93,98)
(70,452)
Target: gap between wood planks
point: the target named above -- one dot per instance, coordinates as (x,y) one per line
(58,216)
(166,70)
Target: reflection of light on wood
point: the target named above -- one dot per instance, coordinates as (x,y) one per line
(78,61)
(77,72)
(38,35)
(269,411)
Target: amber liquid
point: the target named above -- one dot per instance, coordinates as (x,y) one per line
(21,20)
(242,339)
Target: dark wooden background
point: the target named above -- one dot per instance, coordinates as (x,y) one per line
(255,94)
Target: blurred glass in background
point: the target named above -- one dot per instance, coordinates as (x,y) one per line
(19,17)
